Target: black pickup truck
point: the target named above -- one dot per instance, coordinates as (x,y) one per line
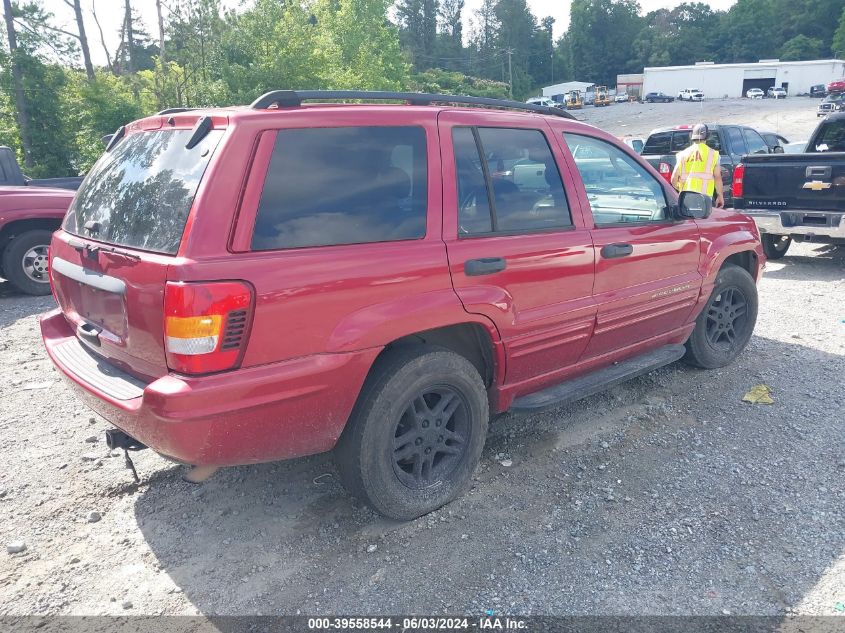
(731,141)
(12,176)
(797,196)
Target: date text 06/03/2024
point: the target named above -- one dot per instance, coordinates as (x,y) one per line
(417,623)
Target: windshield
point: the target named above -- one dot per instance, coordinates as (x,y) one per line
(139,194)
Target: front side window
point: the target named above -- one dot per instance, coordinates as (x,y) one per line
(619,189)
(508,181)
(343,185)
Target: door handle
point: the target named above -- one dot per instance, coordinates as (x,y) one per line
(484,266)
(89,333)
(609,251)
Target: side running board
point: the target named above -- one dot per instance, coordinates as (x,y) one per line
(599,380)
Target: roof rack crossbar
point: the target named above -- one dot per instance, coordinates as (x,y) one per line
(294,98)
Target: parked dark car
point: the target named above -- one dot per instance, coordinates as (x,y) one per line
(796,196)
(12,176)
(818,90)
(731,141)
(377,280)
(658,97)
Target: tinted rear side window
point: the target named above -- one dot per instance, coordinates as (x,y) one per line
(344,185)
(139,194)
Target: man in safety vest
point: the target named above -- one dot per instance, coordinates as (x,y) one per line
(697,167)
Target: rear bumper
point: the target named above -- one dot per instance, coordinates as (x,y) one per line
(808,224)
(257,414)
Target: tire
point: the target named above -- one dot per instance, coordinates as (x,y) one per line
(25,262)
(775,246)
(724,327)
(400,398)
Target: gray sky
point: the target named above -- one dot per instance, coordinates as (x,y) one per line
(110,13)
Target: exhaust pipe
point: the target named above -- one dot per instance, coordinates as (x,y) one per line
(115,438)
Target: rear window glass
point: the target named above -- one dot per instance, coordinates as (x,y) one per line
(344,185)
(831,138)
(674,142)
(658,143)
(139,194)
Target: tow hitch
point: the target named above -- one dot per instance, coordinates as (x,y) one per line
(116,438)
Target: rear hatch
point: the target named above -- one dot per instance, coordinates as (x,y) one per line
(123,230)
(807,182)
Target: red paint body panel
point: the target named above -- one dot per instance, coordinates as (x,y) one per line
(276,411)
(321,315)
(33,203)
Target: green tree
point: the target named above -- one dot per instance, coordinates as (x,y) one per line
(838,45)
(601,37)
(515,37)
(801,47)
(418,20)
(355,47)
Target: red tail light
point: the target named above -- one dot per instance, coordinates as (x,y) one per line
(205,325)
(665,171)
(737,186)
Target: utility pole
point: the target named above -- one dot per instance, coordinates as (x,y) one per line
(510,73)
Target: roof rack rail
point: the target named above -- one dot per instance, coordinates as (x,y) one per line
(175,110)
(294,98)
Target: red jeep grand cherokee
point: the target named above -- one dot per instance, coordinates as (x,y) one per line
(253,284)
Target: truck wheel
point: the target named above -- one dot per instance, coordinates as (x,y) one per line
(724,327)
(416,433)
(775,246)
(25,262)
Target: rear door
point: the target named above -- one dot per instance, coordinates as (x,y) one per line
(519,252)
(109,265)
(647,278)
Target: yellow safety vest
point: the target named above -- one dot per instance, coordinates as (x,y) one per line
(696,165)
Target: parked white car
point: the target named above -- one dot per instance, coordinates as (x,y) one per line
(691,94)
(542,101)
(622,97)
(755,93)
(777,92)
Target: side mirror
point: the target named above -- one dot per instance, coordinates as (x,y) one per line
(777,149)
(107,139)
(694,205)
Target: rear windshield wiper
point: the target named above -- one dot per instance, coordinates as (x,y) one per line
(92,249)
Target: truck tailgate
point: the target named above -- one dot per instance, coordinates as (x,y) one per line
(807,182)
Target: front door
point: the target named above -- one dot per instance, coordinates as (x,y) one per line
(647,279)
(519,252)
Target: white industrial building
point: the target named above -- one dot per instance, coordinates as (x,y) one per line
(562,89)
(734,80)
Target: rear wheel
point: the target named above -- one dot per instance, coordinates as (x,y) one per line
(416,434)
(775,246)
(25,262)
(724,327)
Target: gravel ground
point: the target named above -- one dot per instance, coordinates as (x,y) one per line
(795,118)
(667,495)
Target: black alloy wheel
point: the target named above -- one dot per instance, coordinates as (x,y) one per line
(431,437)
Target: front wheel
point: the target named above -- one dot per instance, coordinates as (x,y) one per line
(724,327)
(775,246)
(416,434)
(25,262)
